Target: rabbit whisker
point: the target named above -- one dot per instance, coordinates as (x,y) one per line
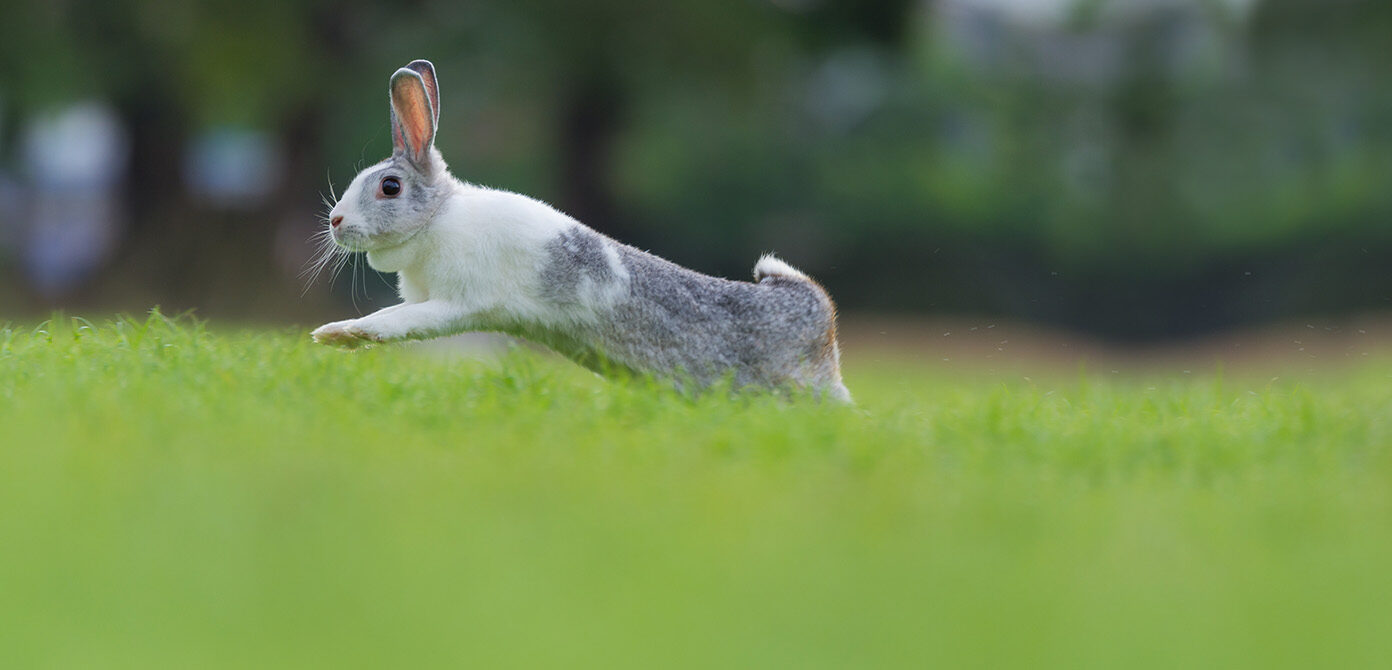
(326,254)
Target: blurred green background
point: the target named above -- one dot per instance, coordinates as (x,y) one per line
(1139,169)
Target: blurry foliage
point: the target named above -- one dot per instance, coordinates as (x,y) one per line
(1246,181)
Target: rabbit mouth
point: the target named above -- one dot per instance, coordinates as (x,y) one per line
(355,242)
(350,242)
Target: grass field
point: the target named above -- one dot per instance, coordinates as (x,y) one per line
(181,495)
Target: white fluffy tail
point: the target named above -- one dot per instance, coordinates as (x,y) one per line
(771,266)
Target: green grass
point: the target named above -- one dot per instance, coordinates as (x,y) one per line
(175,495)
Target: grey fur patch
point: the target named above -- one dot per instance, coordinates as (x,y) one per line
(574,257)
(679,324)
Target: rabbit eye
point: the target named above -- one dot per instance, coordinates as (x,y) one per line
(391,186)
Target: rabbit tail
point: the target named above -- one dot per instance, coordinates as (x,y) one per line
(824,373)
(772,266)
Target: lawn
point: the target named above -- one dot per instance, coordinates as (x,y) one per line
(177,494)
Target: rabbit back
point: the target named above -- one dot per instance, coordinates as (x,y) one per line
(630,309)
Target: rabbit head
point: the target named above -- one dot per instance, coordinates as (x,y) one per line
(388,203)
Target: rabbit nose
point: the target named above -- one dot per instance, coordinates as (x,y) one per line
(335,221)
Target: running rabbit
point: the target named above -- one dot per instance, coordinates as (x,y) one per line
(474,258)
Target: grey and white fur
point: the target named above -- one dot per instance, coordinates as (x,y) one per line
(475,258)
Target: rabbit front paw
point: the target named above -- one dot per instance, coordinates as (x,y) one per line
(346,334)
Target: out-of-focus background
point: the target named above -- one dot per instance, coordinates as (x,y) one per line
(1134,169)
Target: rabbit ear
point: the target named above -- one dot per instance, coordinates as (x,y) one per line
(426,70)
(413,120)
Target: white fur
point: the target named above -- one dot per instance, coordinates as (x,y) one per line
(474,266)
(771,266)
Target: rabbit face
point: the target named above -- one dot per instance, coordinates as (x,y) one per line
(391,201)
(385,206)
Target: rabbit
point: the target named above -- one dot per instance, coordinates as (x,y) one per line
(469,257)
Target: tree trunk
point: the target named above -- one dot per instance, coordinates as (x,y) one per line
(589,124)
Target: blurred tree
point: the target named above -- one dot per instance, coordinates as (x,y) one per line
(600,57)
(171,69)
(597,56)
